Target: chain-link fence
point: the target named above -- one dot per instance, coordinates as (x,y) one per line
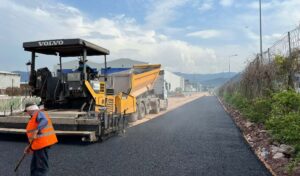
(15,104)
(276,70)
(288,44)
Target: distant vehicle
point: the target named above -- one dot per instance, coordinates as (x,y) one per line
(84,102)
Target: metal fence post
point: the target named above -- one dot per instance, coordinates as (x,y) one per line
(269,55)
(289,40)
(291,71)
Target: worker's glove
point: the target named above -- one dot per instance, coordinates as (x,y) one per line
(28,150)
(35,135)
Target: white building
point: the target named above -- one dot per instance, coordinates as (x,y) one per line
(8,79)
(176,82)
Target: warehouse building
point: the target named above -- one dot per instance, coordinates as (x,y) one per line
(8,79)
(176,83)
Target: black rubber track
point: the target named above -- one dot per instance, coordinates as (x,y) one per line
(198,138)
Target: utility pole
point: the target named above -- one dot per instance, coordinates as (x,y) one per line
(260,31)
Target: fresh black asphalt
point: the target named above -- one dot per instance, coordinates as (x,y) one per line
(198,138)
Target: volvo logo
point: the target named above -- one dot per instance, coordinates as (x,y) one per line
(51,43)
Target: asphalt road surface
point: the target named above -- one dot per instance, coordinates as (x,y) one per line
(198,138)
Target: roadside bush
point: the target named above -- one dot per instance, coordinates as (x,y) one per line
(238,101)
(285,102)
(227,97)
(284,116)
(285,128)
(280,113)
(259,110)
(293,163)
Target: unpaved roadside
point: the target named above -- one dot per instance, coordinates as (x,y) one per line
(173,103)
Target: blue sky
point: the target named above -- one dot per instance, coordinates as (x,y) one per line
(192,36)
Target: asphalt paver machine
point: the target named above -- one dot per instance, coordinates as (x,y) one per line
(84,102)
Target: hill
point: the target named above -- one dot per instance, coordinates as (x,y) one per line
(215,79)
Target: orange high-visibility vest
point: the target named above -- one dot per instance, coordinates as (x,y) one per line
(46,136)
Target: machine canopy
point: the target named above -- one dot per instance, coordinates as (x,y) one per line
(65,47)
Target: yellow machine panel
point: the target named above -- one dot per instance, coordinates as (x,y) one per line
(125,104)
(98,97)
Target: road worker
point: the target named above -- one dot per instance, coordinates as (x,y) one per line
(41,136)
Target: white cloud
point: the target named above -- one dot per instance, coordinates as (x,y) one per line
(278,17)
(226,3)
(162,12)
(205,34)
(273,37)
(268,39)
(273,4)
(255,5)
(202,5)
(121,35)
(206,6)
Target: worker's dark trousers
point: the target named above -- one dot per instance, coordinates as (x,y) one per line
(39,163)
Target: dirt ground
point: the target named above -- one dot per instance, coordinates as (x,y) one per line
(173,103)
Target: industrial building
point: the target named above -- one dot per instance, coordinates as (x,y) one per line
(9,79)
(176,83)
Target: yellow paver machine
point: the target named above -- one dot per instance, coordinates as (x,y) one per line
(84,102)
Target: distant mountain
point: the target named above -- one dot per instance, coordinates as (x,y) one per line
(24,75)
(215,80)
(236,78)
